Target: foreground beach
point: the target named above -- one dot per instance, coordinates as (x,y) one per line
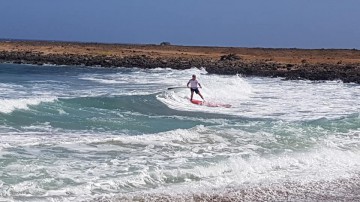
(321,64)
(337,190)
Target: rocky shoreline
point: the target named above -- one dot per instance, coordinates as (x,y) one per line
(228,63)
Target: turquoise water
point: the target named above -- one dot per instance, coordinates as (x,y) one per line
(76,133)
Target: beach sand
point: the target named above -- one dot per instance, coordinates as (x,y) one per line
(285,56)
(346,189)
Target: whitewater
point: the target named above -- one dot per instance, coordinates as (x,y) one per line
(118,134)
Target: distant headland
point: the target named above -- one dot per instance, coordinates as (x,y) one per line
(311,64)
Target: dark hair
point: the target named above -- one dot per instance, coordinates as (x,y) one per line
(194,75)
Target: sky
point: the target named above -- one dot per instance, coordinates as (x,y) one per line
(235,23)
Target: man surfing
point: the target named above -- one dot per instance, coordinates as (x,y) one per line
(194,87)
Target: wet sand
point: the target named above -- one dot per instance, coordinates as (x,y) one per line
(345,189)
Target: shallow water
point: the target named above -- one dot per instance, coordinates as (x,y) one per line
(73,134)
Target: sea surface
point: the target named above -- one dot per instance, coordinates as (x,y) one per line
(117,134)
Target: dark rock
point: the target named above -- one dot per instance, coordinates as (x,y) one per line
(229,64)
(230,57)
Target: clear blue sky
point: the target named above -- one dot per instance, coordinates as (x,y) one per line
(250,23)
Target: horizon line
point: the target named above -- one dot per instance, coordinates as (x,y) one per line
(159,44)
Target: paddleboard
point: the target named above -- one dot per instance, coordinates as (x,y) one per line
(177,87)
(209,104)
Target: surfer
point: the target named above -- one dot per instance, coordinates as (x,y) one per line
(194,87)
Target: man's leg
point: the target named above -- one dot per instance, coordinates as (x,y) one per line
(192,94)
(201,96)
(198,92)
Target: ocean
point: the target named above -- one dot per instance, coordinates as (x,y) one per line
(118,134)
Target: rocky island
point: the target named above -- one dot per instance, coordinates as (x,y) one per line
(311,64)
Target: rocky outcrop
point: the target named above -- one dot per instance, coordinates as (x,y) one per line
(228,64)
(229,57)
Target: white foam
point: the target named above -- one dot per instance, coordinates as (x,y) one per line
(201,158)
(223,90)
(104,81)
(6,89)
(306,169)
(270,98)
(141,82)
(9,105)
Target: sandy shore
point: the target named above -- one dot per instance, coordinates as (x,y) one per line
(321,64)
(345,189)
